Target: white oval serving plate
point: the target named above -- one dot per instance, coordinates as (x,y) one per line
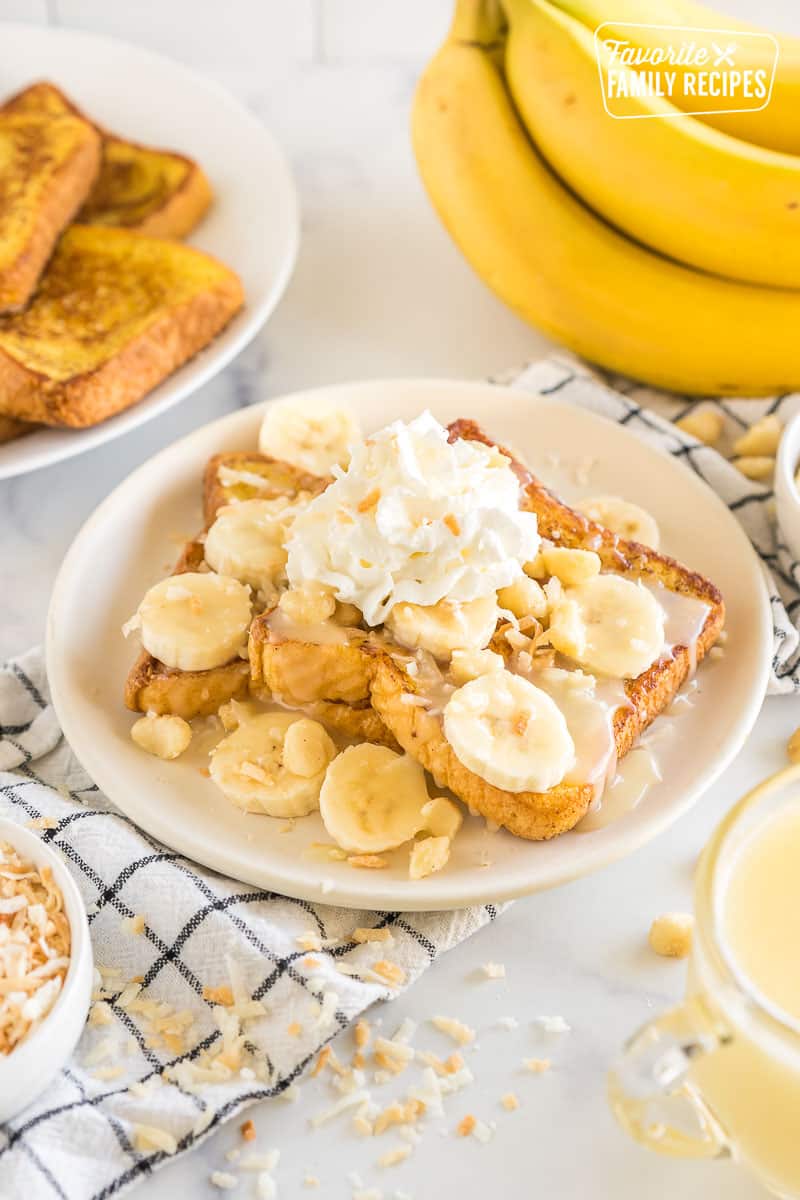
(253,224)
(133,537)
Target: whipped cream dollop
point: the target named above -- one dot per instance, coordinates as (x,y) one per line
(414,518)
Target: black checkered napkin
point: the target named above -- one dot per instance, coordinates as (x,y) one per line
(78,1141)
(649,414)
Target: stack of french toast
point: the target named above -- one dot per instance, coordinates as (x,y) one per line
(414,608)
(99,300)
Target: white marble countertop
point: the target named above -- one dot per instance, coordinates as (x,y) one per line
(380,291)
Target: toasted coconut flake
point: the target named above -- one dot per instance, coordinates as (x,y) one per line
(34,946)
(390,972)
(392,1157)
(494,970)
(248,1131)
(362,1033)
(466,1125)
(454,1029)
(150,1137)
(537,1065)
(218,995)
(368,862)
(381,934)
(509,1102)
(321,1062)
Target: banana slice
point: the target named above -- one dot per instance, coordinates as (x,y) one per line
(509,732)
(268,766)
(622,517)
(373,799)
(444,627)
(610,625)
(195,621)
(246,542)
(314,440)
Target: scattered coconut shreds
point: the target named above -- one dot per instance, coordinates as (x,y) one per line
(393,1056)
(224,1180)
(399,1114)
(383,934)
(149,1137)
(454,1029)
(553,1024)
(494,970)
(134,924)
(507,1024)
(390,972)
(509,1102)
(309,940)
(362,1126)
(260,1162)
(351,1100)
(537,1065)
(100,1013)
(405,1030)
(43,823)
(482,1132)
(34,946)
(311,964)
(106,1074)
(392,1157)
(368,862)
(362,1033)
(295,1029)
(218,995)
(319,1065)
(265,1187)
(466,1125)
(203,1121)
(248,1131)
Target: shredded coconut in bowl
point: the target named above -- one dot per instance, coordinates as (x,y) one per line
(414,518)
(34,946)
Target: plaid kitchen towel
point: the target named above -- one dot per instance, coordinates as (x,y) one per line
(167,1057)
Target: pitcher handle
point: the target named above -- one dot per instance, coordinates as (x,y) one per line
(649,1089)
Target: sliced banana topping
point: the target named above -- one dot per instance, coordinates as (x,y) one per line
(267,766)
(315,440)
(195,621)
(246,542)
(622,517)
(509,732)
(373,799)
(444,627)
(610,625)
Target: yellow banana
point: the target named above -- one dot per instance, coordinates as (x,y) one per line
(689,191)
(567,271)
(776,126)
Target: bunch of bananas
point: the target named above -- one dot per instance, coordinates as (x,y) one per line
(668,250)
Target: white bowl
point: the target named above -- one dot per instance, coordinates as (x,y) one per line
(787,496)
(29,1068)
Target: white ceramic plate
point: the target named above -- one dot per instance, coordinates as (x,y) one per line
(252,225)
(133,537)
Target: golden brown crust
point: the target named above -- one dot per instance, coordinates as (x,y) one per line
(180,208)
(537,815)
(280,479)
(11,429)
(358,721)
(67,188)
(174,334)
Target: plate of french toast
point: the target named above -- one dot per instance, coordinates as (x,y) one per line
(411,644)
(148,226)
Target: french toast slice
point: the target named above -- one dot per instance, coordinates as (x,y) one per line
(11,429)
(157,192)
(543,815)
(114,314)
(152,686)
(47,166)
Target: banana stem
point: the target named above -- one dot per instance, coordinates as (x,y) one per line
(478,22)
